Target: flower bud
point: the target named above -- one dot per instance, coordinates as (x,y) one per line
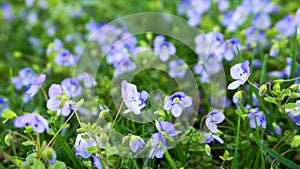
(50,155)
(296,141)
(263,89)
(8,139)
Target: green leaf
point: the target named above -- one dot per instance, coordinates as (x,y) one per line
(58,165)
(92,149)
(274,154)
(9,114)
(38,165)
(290,105)
(30,159)
(28,143)
(69,152)
(270,99)
(79,103)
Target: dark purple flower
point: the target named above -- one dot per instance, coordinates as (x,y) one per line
(176,102)
(214,118)
(163,48)
(37,122)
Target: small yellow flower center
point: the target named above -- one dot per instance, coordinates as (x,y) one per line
(176,99)
(139,101)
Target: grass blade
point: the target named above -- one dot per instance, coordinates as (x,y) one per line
(274,154)
(234,163)
(68,151)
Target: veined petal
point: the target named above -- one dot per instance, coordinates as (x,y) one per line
(234,85)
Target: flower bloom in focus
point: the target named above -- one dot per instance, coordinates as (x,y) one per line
(59,100)
(240,72)
(134,100)
(214,118)
(176,102)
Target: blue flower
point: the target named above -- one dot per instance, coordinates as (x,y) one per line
(209,43)
(7,11)
(277,128)
(294,113)
(157,141)
(166,128)
(177,68)
(235,18)
(82,143)
(274,50)
(34,87)
(163,48)
(258,117)
(97,162)
(210,137)
(240,72)
(255,35)
(261,20)
(50,155)
(285,26)
(229,48)
(223,5)
(65,58)
(88,80)
(214,118)
(117,54)
(134,100)
(176,102)
(55,46)
(38,123)
(199,69)
(136,143)
(72,86)
(59,100)
(194,18)
(25,78)
(126,65)
(3,105)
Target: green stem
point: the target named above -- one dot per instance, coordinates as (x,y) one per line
(234,163)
